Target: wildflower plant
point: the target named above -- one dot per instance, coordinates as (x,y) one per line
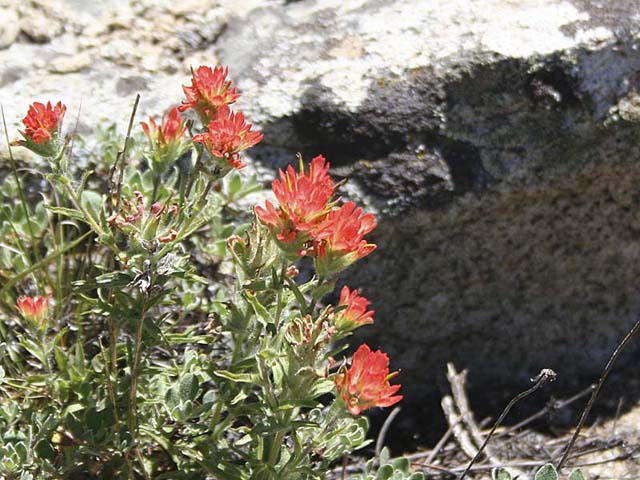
(151,327)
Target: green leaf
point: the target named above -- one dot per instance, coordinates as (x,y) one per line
(384,473)
(210,397)
(500,474)
(92,201)
(321,387)
(83,182)
(79,358)
(385,456)
(67,212)
(298,294)
(547,472)
(263,314)
(401,464)
(243,441)
(237,377)
(234,185)
(73,408)
(576,475)
(189,387)
(172,398)
(291,404)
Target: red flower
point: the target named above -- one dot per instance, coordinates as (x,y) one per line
(172,129)
(366,383)
(228,135)
(34,309)
(339,239)
(43,122)
(42,129)
(303,199)
(355,314)
(165,140)
(209,90)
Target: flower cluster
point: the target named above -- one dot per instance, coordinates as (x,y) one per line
(42,126)
(166,140)
(366,383)
(226,132)
(307,222)
(146,224)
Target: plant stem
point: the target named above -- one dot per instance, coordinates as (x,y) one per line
(596,390)
(134,372)
(45,351)
(274,446)
(78,204)
(542,378)
(132,410)
(196,169)
(110,389)
(184,230)
(156,186)
(314,300)
(123,153)
(281,283)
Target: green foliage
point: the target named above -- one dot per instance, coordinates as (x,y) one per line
(546,472)
(174,341)
(388,469)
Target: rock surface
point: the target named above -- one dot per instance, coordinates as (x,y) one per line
(496,140)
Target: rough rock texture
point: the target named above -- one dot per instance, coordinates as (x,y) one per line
(497,140)
(95,56)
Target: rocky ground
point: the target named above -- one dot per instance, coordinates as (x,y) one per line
(496,140)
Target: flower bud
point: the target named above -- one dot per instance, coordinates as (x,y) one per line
(34,309)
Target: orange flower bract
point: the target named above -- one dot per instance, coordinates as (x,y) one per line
(227,136)
(43,121)
(34,309)
(166,140)
(303,201)
(355,314)
(209,90)
(366,383)
(170,130)
(339,239)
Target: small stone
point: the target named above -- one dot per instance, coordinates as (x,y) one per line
(126,86)
(10,75)
(628,107)
(70,64)
(170,65)
(184,7)
(351,47)
(8,27)
(40,28)
(96,29)
(121,51)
